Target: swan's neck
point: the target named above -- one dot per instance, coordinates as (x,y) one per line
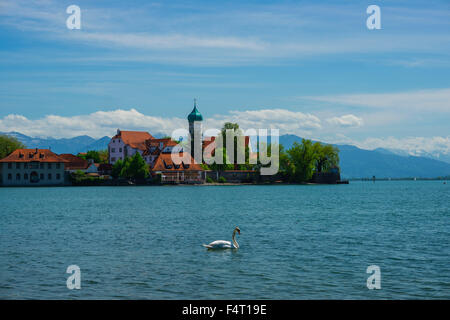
(236,245)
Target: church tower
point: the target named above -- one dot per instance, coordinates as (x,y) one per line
(195,130)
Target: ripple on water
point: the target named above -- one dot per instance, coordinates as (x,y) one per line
(297,242)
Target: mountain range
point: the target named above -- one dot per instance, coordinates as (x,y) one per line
(354,162)
(382,163)
(64,145)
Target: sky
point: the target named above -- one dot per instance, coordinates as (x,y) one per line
(310,68)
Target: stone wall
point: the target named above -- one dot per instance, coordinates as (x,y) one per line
(234,176)
(326,177)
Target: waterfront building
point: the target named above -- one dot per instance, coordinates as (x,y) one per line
(154,147)
(126,144)
(177,172)
(32,167)
(74,163)
(157,152)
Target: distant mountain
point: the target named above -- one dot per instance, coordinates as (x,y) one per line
(64,145)
(382,163)
(437,156)
(100,144)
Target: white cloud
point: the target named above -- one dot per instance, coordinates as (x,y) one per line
(346,121)
(96,124)
(170,41)
(103,123)
(415,146)
(424,100)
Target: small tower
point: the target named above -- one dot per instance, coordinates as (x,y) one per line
(195,130)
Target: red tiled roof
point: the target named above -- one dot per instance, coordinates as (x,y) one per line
(209,140)
(74,162)
(164,162)
(32,155)
(167,142)
(135,139)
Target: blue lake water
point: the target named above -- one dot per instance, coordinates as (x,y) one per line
(296,242)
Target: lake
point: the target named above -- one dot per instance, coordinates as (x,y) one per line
(296,242)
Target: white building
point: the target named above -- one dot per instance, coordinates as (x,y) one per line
(126,144)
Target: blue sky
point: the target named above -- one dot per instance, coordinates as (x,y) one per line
(310,68)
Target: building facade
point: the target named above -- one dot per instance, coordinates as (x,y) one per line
(126,144)
(32,167)
(181,170)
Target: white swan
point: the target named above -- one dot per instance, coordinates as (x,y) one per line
(222,244)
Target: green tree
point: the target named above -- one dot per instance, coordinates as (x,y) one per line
(327,156)
(237,132)
(135,167)
(78,175)
(103,155)
(117,168)
(125,172)
(9,144)
(302,159)
(226,164)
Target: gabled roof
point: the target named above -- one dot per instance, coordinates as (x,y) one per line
(74,162)
(208,140)
(33,155)
(153,146)
(164,162)
(135,139)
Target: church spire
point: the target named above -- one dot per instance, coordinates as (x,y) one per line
(195,115)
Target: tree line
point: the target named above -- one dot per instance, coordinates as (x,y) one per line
(296,164)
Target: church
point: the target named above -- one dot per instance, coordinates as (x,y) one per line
(157,152)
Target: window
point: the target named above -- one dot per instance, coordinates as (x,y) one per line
(114,141)
(42,176)
(58,176)
(9,165)
(113,159)
(120,149)
(9,176)
(25,176)
(41,165)
(113,149)
(18,176)
(49,176)
(18,165)
(49,165)
(25,165)
(57,166)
